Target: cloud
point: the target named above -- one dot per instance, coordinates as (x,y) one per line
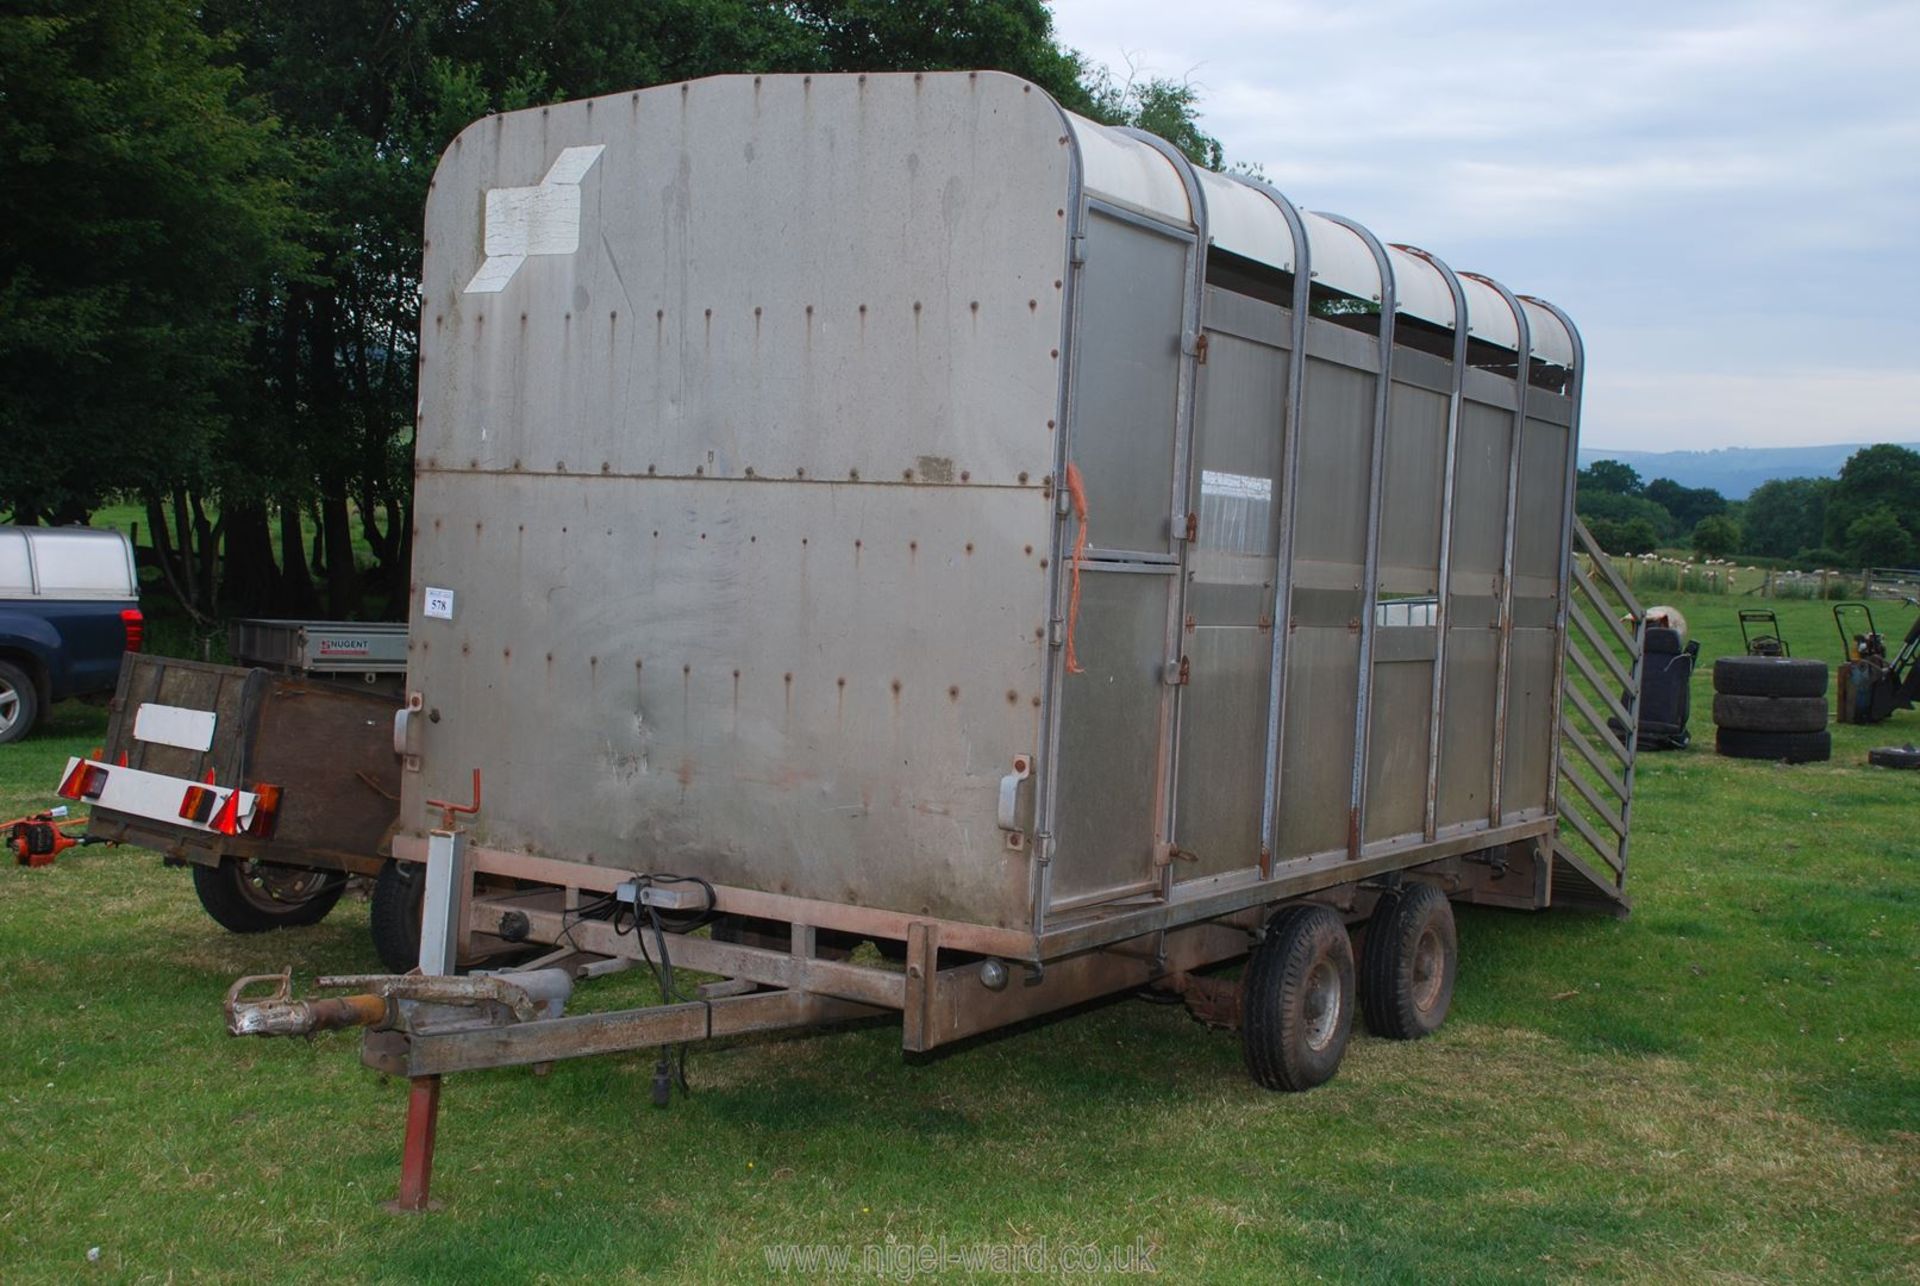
(1739,177)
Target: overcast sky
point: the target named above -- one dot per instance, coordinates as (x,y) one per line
(1725,196)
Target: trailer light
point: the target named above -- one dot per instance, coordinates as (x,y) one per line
(198,803)
(266,811)
(86,781)
(135,626)
(227,820)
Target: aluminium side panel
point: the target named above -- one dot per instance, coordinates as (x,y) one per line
(1231,578)
(1329,568)
(734,494)
(1532,706)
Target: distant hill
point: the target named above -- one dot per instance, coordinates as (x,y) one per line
(1732,471)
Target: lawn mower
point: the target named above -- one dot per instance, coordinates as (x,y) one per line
(1872,687)
(1768,641)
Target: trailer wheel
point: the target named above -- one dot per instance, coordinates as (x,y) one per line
(253,897)
(1297,999)
(1408,963)
(19,702)
(394,919)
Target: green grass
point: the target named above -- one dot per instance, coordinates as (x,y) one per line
(1726,1085)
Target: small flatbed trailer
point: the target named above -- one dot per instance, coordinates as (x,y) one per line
(274,780)
(892,509)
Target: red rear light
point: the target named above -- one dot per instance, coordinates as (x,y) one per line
(197,804)
(266,811)
(86,781)
(135,626)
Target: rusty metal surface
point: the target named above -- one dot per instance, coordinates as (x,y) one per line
(745,505)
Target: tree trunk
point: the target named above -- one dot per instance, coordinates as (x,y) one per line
(296,583)
(164,556)
(343,583)
(249,582)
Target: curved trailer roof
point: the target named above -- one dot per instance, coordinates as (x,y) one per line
(1244,218)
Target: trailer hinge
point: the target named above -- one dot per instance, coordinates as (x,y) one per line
(1200,350)
(1178,672)
(1077,249)
(1063,502)
(1193,527)
(1056,632)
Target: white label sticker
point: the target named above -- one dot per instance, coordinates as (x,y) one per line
(440,603)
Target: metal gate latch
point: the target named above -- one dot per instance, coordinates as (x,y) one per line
(1008,813)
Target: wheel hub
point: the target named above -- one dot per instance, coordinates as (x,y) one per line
(1323,1002)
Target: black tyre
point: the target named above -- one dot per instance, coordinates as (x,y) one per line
(1783,747)
(1894,757)
(1769,676)
(1408,964)
(394,918)
(1297,999)
(253,897)
(19,703)
(1770,714)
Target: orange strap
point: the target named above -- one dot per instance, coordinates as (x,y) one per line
(1078,491)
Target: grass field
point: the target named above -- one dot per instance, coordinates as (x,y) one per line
(1726,1085)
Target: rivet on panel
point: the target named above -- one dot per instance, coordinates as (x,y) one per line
(800,473)
(1013,697)
(749,471)
(841,681)
(969,546)
(953,693)
(906,475)
(854,474)
(1029,551)
(896,687)
(1023,476)
(1043,564)
(1036,701)
(606,466)
(966,475)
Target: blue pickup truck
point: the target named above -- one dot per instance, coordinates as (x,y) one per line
(69,608)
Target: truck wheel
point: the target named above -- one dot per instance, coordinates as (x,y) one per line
(253,897)
(1769,676)
(19,703)
(1407,966)
(1297,999)
(1770,714)
(1782,747)
(399,892)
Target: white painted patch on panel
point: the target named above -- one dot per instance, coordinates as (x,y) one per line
(174,726)
(540,220)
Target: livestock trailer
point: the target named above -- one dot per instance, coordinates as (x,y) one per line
(893,509)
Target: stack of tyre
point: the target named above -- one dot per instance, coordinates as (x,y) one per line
(1771,707)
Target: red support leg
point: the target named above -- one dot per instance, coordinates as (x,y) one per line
(416,1158)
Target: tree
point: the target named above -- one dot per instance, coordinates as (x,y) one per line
(1631,537)
(1688,505)
(145,199)
(1884,476)
(1611,477)
(1785,516)
(1877,539)
(1716,536)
